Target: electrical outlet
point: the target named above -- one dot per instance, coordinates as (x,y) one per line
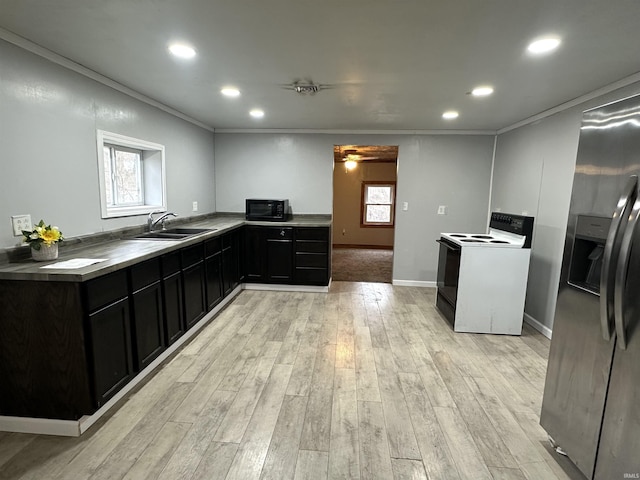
(195,206)
(442,210)
(405,206)
(20,223)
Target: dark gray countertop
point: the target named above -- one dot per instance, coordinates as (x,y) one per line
(124,252)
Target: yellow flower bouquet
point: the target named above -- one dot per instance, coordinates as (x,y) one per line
(43,240)
(42,234)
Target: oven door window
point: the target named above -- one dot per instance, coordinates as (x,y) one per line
(448,271)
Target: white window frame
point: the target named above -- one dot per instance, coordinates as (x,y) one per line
(153,175)
(363,206)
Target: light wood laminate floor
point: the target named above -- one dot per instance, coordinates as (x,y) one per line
(367,381)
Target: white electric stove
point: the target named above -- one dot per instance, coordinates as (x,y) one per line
(482,277)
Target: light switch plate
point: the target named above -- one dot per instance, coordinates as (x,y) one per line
(195,206)
(442,210)
(405,206)
(20,223)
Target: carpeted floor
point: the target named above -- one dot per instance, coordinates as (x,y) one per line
(361,265)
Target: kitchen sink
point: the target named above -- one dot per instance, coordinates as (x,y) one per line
(172,233)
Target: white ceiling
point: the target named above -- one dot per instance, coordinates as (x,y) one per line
(393,65)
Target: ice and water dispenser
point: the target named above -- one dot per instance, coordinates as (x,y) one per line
(588,251)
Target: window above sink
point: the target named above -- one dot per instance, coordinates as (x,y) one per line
(132,175)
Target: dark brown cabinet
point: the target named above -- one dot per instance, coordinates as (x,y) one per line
(231,261)
(279,251)
(268,254)
(312,256)
(255,254)
(111,354)
(98,334)
(147,314)
(172,297)
(193,277)
(213,268)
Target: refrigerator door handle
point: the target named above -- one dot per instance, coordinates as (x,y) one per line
(606,295)
(621,275)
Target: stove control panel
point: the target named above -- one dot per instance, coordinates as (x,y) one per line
(518,224)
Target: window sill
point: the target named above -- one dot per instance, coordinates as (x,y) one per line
(131,211)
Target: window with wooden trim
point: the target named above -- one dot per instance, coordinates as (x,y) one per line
(378,204)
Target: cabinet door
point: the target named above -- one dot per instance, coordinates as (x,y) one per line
(230,267)
(255,253)
(194,294)
(110,349)
(279,261)
(214,280)
(173,311)
(148,324)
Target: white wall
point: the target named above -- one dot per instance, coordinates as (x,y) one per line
(48,121)
(533,173)
(451,170)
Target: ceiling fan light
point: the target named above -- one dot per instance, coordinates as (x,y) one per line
(350,164)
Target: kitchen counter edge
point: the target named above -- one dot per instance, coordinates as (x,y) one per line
(124,252)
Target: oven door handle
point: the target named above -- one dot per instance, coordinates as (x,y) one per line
(455,248)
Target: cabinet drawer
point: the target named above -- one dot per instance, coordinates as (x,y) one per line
(213,246)
(312,233)
(279,233)
(312,246)
(311,260)
(145,273)
(170,264)
(191,255)
(311,276)
(107,289)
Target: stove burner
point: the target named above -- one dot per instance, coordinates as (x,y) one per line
(487,237)
(461,235)
(475,240)
(499,241)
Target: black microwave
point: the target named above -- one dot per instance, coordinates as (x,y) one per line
(267,210)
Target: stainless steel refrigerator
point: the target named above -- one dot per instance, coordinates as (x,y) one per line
(591,404)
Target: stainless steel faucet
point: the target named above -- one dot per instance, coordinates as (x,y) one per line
(151,223)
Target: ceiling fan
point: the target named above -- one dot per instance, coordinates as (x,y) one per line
(352,154)
(306,86)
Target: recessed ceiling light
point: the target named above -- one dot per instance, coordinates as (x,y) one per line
(450,115)
(256,113)
(181,50)
(482,91)
(230,92)
(543,45)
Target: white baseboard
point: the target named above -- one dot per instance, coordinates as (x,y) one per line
(413,283)
(46,426)
(285,288)
(75,428)
(544,330)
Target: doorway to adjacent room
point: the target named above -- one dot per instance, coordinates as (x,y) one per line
(364,207)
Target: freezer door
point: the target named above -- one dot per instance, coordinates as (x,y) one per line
(576,385)
(619,452)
